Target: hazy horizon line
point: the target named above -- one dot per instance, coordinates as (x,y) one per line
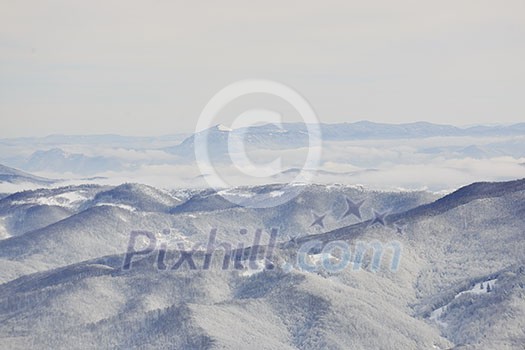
(189,132)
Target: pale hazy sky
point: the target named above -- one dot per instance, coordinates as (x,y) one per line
(149,67)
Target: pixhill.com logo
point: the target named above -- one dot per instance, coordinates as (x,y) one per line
(311,256)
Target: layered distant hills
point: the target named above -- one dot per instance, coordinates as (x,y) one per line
(413,156)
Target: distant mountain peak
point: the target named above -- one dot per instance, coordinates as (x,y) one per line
(222,127)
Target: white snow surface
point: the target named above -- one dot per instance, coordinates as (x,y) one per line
(476,289)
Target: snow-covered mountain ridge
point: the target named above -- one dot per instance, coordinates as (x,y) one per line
(64,271)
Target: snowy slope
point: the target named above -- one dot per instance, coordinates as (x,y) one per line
(14,176)
(64,286)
